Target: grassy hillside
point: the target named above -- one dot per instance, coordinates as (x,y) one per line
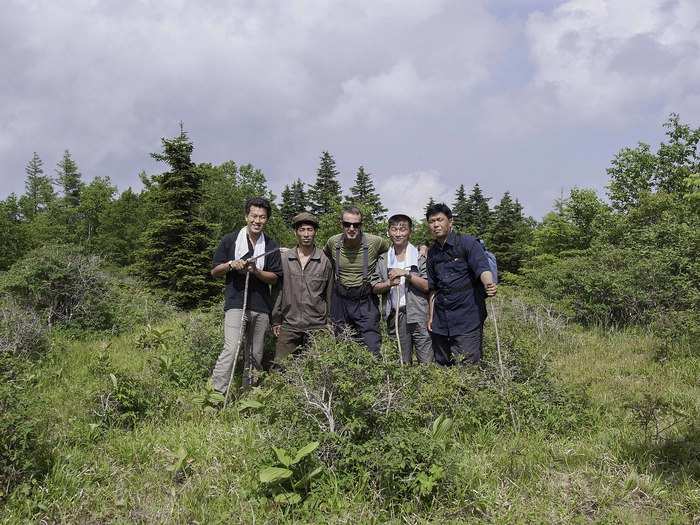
(578,425)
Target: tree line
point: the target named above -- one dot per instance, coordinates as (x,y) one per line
(627,259)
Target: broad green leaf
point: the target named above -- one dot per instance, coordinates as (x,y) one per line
(272,474)
(289,498)
(283,456)
(305,451)
(114,380)
(311,475)
(249,403)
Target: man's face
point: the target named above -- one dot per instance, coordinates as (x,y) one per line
(440,225)
(306,235)
(352,225)
(399,233)
(256,219)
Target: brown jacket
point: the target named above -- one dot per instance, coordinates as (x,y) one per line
(304,297)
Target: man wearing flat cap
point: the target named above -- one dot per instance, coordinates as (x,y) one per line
(303,301)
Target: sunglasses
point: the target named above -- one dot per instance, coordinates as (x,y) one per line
(355,225)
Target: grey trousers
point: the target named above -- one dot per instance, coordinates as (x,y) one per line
(251,352)
(411,335)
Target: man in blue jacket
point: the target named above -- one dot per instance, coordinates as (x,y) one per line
(459,279)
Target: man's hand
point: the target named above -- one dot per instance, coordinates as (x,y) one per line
(397,273)
(237,264)
(276,329)
(251,267)
(490,289)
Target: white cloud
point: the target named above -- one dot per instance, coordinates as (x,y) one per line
(409,193)
(603,58)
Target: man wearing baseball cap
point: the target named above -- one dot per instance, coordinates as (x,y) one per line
(303,302)
(402,276)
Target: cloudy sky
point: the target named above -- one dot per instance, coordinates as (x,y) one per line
(531,96)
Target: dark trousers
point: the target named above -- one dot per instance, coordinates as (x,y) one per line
(290,340)
(458,349)
(361,315)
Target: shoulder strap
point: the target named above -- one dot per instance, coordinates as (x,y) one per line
(337,258)
(365,258)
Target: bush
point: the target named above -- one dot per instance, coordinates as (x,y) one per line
(63,285)
(22,331)
(376,421)
(69,288)
(23,454)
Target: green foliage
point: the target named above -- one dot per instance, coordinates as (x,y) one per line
(290,483)
(23,452)
(70,179)
(324,195)
(178,242)
(401,423)
(509,234)
(63,285)
(14,236)
(128,400)
(294,200)
(39,192)
(365,196)
(22,331)
(461,216)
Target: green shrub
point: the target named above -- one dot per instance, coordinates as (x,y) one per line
(69,288)
(129,399)
(22,331)
(23,453)
(377,421)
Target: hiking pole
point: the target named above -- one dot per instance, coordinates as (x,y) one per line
(500,366)
(241,331)
(498,342)
(396,324)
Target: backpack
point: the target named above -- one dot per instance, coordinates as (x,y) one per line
(490,259)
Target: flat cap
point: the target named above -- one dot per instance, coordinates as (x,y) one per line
(303,217)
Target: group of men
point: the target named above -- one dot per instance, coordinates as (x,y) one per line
(434,298)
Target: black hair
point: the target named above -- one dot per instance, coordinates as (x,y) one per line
(352,210)
(438,208)
(258,202)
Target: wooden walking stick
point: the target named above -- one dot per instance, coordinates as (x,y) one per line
(396,324)
(241,332)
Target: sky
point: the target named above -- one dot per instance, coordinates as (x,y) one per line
(528,96)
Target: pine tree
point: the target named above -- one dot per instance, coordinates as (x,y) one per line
(293,201)
(431,202)
(178,242)
(365,196)
(480,212)
(70,179)
(461,214)
(324,195)
(38,188)
(509,234)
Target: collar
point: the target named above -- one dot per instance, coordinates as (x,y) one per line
(292,254)
(451,240)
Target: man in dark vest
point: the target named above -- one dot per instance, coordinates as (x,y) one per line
(460,279)
(354,255)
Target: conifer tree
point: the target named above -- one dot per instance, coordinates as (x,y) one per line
(509,234)
(293,201)
(70,179)
(430,203)
(38,188)
(365,196)
(480,212)
(178,242)
(461,214)
(324,195)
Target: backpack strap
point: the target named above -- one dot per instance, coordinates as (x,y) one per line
(337,258)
